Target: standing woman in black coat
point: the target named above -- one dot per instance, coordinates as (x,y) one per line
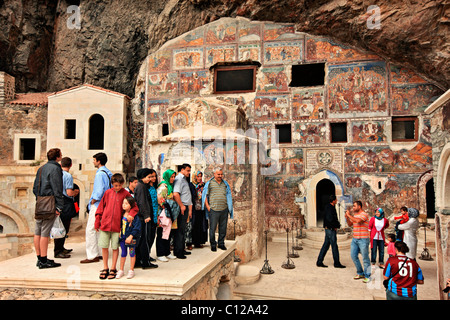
(144,202)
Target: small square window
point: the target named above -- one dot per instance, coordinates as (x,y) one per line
(27,149)
(70,129)
(338,132)
(234,79)
(308,75)
(284,133)
(404,129)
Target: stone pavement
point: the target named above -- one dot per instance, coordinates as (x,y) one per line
(308,282)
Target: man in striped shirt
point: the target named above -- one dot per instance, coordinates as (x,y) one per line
(361,240)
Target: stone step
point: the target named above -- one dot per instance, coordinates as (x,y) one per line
(319,235)
(246,274)
(308,243)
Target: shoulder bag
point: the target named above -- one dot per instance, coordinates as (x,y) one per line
(45,208)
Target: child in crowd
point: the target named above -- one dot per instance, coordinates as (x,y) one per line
(108,221)
(403,219)
(129,237)
(390,238)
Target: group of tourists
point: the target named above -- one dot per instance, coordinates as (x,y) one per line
(178,212)
(401,271)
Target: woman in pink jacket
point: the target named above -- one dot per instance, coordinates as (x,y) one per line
(377,225)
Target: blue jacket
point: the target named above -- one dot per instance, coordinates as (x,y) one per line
(229,198)
(133,229)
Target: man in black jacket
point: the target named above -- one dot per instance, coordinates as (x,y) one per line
(48,182)
(331,224)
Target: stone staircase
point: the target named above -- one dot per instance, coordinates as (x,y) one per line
(313,238)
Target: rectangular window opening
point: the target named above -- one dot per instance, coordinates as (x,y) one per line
(284,132)
(165,129)
(70,129)
(338,132)
(234,79)
(308,75)
(27,149)
(404,128)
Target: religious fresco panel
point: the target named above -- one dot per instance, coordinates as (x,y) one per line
(249,32)
(159,61)
(400,74)
(249,52)
(384,159)
(368,131)
(187,58)
(322,49)
(221,33)
(274,31)
(272,79)
(157,111)
(413,98)
(162,84)
(192,39)
(291,161)
(308,104)
(193,81)
(358,87)
(309,133)
(283,52)
(269,108)
(220,54)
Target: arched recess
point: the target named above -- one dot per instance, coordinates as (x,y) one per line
(423,192)
(83,201)
(18,218)
(96,132)
(311,205)
(443,180)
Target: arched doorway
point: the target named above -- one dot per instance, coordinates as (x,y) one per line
(430,199)
(324,189)
(317,187)
(96,132)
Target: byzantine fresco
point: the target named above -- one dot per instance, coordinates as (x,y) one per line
(220,54)
(291,161)
(249,52)
(413,98)
(273,79)
(194,81)
(384,159)
(193,38)
(162,84)
(271,108)
(309,133)
(221,33)
(308,104)
(400,74)
(280,32)
(159,61)
(157,111)
(368,131)
(283,52)
(187,58)
(323,49)
(359,87)
(249,32)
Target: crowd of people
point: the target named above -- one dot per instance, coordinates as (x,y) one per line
(401,271)
(177,213)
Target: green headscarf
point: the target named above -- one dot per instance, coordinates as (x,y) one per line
(166,179)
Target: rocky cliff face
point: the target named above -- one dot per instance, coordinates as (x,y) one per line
(40,46)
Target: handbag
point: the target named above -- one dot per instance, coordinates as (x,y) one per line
(45,207)
(386,282)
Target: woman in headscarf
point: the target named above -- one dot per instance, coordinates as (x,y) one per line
(410,228)
(377,225)
(199,222)
(165,193)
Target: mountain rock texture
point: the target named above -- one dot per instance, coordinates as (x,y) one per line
(42,46)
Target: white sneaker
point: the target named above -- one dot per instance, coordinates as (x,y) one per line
(130,274)
(119,274)
(163,259)
(171,257)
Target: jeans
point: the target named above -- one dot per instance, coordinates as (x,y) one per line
(218,218)
(330,239)
(392,296)
(377,245)
(361,246)
(179,237)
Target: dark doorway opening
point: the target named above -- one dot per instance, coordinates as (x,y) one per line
(431,208)
(324,189)
(96,132)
